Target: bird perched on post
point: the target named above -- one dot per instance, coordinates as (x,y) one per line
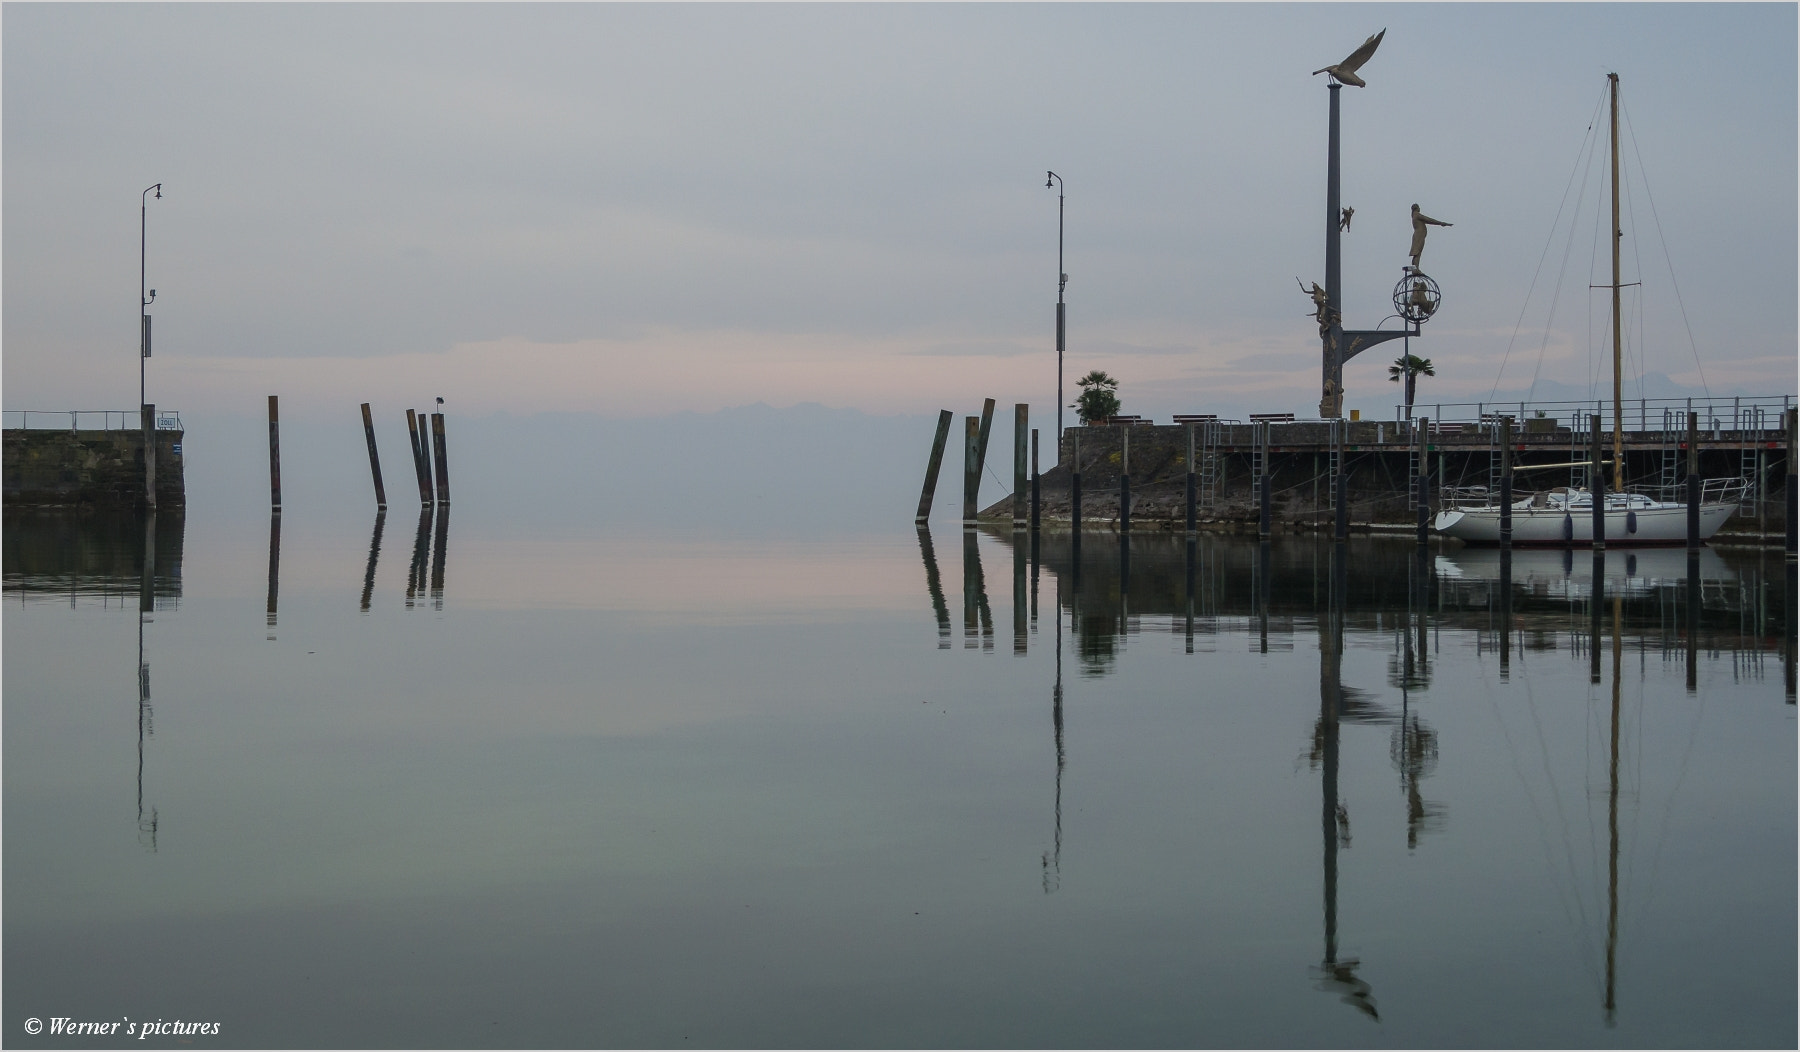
(1345,71)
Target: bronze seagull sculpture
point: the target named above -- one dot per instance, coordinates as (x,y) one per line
(1345,71)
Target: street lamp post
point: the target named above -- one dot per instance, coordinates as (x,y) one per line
(1062,279)
(144,301)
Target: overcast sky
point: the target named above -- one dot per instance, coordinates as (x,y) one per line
(643,209)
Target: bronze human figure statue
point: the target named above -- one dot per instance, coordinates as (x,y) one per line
(1420,221)
(1344,218)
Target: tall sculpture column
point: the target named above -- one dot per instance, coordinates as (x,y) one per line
(1331,327)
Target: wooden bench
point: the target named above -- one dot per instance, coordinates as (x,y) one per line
(1126,421)
(1196,418)
(1271,418)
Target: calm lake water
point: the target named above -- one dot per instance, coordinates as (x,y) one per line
(410,785)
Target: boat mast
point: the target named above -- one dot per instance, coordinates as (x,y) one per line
(1617,234)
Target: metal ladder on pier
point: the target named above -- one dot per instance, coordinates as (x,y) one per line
(1206,465)
(1674,431)
(1335,467)
(1751,425)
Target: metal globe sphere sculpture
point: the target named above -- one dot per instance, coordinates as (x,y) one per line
(1416,297)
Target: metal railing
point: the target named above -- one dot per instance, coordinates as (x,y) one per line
(87,420)
(1746,413)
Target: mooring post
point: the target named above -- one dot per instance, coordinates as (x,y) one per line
(932,466)
(987,425)
(1021,429)
(1189,497)
(1075,486)
(971,468)
(1693,481)
(1597,490)
(1506,483)
(1422,478)
(443,466)
(1793,495)
(425,452)
(418,455)
(1037,496)
(274,453)
(1124,478)
(147,418)
(374,458)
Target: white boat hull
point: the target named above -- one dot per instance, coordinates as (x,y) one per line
(1660,523)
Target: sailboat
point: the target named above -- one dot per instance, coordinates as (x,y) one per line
(1565,516)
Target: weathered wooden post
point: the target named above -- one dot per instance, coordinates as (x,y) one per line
(147,419)
(1075,486)
(1124,478)
(418,455)
(1693,481)
(443,466)
(1422,479)
(1189,497)
(425,454)
(374,459)
(987,425)
(274,457)
(1037,496)
(1506,483)
(1021,427)
(933,465)
(1597,489)
(971,469)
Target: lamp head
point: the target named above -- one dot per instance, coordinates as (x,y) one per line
(1047,177)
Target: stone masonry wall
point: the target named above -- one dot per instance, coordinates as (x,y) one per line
(46,467)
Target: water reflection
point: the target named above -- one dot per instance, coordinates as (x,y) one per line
(374,554)
(59,554)
(274,568)
(935,585)
(978,619)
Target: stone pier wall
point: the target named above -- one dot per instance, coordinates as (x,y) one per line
(102,469)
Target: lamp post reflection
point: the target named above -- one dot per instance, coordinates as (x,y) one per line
(146,718)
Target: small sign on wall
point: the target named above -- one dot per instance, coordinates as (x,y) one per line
(177,448)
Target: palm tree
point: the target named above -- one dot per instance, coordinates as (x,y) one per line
(1099,397)
(1411,366)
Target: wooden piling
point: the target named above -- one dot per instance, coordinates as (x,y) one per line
(1124,478)
(443,466)
(425,455)
(1021,427)
(933,465)
(374,458)
(1037,496)
(147,418)
(987,425)
(1506,482)
(971,468)
(274,453)
(1693,481)
(1597,489)
(418,455)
